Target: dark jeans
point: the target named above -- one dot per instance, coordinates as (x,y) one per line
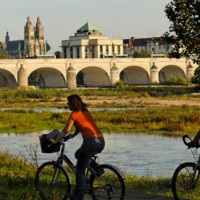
(83,155)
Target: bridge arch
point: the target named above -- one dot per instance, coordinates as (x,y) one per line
(7,79)
(170,71)
(133,75)
(92,76)
(46,77)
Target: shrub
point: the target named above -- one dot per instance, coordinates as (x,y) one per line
(121,85)
(176,80)
(196,77)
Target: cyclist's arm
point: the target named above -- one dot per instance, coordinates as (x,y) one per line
(76,132)
(65,131)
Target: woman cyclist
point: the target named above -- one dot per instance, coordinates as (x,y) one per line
(93,140)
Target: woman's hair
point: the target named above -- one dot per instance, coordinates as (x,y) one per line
(76,103)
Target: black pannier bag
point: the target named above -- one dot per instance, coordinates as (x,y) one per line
(46,145)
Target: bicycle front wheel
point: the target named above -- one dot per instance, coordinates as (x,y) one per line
(107,184)
(52,181)
(185,182)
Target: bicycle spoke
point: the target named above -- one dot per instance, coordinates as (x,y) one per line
(52,182)
(108,185)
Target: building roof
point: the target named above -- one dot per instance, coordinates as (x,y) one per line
(87,28)
(145,41)
(15,45)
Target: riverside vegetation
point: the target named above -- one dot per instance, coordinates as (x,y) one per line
(147,117)
(17,176)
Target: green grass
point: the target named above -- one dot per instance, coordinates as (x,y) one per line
(169,121)
(16,178)
(149,185)
(17,181)
(47,94)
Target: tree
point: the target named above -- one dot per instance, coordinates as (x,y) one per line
(184,31)
(142,54)
(196,77)
(4,56)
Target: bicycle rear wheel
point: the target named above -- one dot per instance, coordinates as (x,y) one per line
(107,184)
(52,181)
(185,184)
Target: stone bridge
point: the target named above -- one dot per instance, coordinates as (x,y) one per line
(72,73)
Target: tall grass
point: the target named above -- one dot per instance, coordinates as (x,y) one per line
(47,94)
(17,181)
(170,121)
(16,178)
(149,185)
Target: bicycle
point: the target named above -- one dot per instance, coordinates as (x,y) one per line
(185,180)
(53,180)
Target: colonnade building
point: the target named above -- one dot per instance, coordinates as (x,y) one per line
(89,42)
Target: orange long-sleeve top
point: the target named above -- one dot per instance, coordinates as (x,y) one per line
(84,121)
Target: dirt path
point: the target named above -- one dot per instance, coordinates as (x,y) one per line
(140,196)
(144,196)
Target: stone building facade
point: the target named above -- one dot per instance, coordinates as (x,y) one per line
(34,42)
(89,42)
(156,46)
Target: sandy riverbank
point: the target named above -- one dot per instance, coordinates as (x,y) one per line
(143,101)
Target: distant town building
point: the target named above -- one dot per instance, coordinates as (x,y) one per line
(33,45)
(155,45)
(89,42)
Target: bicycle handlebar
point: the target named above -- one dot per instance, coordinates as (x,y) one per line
(185,138)
(190,143)
(67,137)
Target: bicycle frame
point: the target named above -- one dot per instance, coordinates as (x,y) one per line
(62,157)
(98,174)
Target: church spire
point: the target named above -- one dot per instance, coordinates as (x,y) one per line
(7,38)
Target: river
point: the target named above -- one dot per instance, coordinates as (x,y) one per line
(61,110)
(142,155)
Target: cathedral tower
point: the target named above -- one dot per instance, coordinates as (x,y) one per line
(39,38)
(34,43)
(29,39)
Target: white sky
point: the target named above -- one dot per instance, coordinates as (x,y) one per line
(62,18)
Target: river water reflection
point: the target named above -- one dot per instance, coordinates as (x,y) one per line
(61,110)
(142,155)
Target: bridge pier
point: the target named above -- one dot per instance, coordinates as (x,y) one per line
(71,77)
(22,76)
(114,74)
(154,75)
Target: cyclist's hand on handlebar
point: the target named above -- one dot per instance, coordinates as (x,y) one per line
(52,141)
(67,137)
